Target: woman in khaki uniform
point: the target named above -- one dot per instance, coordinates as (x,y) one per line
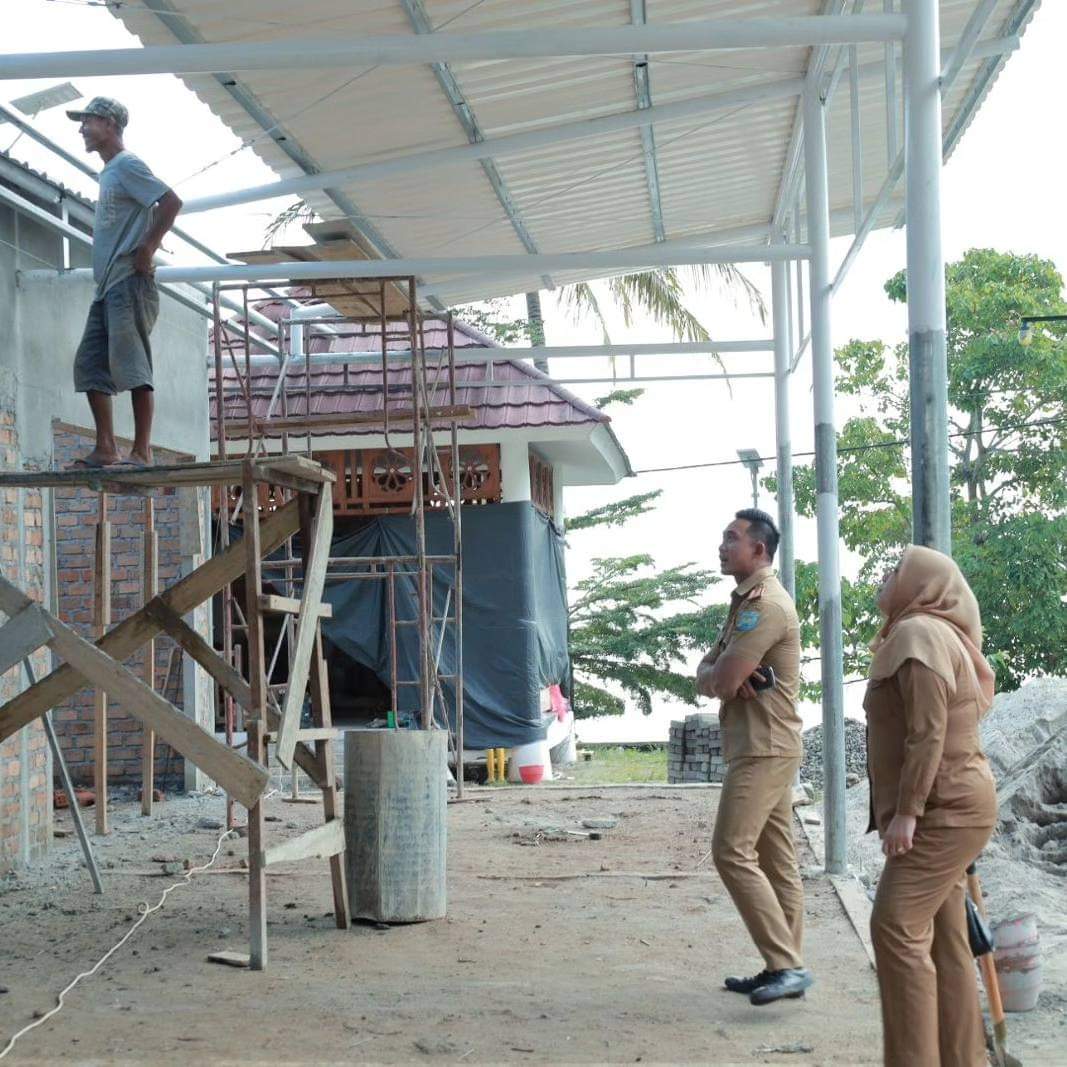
(933,801)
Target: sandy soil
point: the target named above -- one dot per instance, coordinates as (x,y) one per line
(597,969)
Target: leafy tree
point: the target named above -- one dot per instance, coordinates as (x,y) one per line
(1008,452)
(631,624)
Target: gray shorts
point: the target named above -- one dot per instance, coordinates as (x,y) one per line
(115,353)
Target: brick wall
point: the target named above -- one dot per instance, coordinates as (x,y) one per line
(77,513)
(25,792)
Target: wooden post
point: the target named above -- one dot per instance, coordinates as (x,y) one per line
(322,716)
(101,622)
(256,717)
(151,587)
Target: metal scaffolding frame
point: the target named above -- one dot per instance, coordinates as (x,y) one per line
(289,415)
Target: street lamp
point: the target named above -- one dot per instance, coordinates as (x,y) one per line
(753,461)
(1026,326)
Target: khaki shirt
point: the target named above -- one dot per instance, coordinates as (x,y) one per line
(762,625)
(924,757)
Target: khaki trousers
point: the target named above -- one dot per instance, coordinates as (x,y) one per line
(930,1010)
(754,854)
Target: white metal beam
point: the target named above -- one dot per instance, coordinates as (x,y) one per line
(402,49)
(667,253)
(830,637)
(928,371)
(473,354)
(69,232)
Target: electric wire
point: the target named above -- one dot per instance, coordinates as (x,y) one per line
(145,912)
(895,443)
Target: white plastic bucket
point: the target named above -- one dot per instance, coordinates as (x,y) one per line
(530,764)
(1017,955)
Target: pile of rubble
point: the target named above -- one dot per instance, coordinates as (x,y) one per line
(855,754)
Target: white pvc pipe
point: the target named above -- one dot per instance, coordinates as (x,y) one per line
(931,508)
(425,49)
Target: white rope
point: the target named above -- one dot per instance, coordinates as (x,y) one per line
(145,912)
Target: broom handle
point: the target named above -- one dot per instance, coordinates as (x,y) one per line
(986,962)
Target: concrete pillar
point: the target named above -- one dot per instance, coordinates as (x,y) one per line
(515,470)
(833,694)
(931,508)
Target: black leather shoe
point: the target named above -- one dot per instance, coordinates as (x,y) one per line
(746,985)
(779,985)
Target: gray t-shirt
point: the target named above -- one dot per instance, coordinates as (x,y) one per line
(128,190)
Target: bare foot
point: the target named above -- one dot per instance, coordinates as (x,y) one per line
(140,459)
(94,459)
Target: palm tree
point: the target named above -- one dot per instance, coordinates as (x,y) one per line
(659,293)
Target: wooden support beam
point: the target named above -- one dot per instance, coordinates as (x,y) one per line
(290,605)
(21,636)
(312,733)
(237,774)
(201,652)
(285,480)
(127,479)
(101,623)
(151,588)
(132,633)
(320,843)
(316,559)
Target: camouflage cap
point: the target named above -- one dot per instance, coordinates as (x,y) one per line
(105,108)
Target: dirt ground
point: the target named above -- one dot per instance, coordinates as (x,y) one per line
(602,969)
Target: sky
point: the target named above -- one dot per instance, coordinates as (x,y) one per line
(1002,189)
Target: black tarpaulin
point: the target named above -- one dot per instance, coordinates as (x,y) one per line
(514,615)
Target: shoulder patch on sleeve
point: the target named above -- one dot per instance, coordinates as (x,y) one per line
(746,621)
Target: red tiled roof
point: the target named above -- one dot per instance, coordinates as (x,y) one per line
(521,396)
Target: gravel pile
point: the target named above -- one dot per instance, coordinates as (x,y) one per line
(855,753)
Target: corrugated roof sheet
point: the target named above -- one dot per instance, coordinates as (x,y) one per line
(717,172)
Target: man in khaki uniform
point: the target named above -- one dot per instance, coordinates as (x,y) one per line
(753,840)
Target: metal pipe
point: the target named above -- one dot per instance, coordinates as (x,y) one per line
(856,136)
(783,439)
(478,354)
(931,510)
(892,109)
(678,253)
(830,640)
(403,49)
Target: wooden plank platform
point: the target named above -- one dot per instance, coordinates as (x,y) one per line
(138,479)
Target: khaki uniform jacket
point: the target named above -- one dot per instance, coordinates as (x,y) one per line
(924,757)
(762,625)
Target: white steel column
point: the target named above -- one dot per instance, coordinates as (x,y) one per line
(931,511)
(833,697)
(783,441)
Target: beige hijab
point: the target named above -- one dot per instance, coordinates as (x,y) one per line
(940,613)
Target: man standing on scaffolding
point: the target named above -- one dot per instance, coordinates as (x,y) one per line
(134,211)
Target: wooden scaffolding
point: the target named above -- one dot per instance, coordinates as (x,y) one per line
(244,776)
(283,500)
